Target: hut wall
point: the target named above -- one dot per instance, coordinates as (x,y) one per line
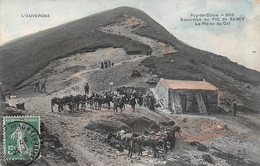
(189,103)
(162,94)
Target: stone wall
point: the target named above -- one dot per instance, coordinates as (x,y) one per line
(162,94)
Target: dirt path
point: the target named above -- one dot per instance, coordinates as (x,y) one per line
(125,28)
(78,74)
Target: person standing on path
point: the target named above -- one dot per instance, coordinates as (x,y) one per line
(140,99)
(133,103)
(37,85)
(235,107)
(43,87)
(115,101)
(152,103)
(86,88)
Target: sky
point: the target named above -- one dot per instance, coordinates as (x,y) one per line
(239,41)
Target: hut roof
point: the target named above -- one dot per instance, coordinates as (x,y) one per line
(185,84)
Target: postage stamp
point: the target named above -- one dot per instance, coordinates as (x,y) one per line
(21,137)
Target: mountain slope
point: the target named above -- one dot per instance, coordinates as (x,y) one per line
(24,57)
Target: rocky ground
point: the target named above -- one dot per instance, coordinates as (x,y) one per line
(78,138)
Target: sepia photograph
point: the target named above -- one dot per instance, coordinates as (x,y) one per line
(129,82)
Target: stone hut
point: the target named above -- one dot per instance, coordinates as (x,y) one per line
(183,96)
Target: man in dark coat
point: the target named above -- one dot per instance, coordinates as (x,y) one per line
(109,99)
(133,103)
(86,88)
(235,107)
(43,87)
(148,101)
(102,65)
(37,86)
(115,101)
(152,103)
(140,100)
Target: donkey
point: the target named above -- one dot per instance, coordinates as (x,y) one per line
(123,138)
(176,129)
(103,99)
(90,100)
(171,138)
(127,139)
(80,99)
(59,102)
(121,104)
(152,141)
(70,101)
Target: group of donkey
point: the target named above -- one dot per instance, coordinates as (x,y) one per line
(155,139)
(74,102)
(94,100)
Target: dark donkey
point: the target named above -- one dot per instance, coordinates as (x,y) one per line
(172,139)
(167,136)
(59,102)
(127,139)
(152,141)
(171,135)
(123,138)
(176,129)
(102,99)
(80,99)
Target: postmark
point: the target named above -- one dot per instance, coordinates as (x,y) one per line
(21,138)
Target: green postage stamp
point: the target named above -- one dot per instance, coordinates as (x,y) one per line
(21,137)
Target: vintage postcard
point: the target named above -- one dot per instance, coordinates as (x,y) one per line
(130,82)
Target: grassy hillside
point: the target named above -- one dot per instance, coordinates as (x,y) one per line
(22,58)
